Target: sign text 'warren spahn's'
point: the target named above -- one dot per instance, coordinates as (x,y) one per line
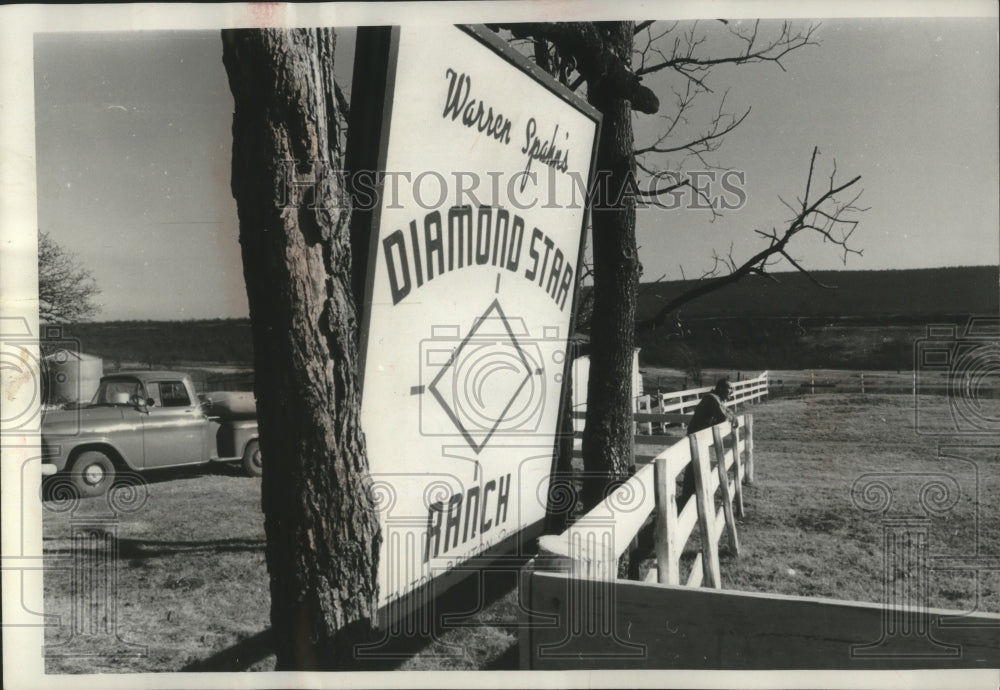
(474,113)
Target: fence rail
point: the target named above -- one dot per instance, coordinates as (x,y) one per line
(577,614)
(721,459)
(679,405)
(747,390)
(674,409)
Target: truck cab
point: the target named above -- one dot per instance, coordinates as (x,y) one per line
(144,420)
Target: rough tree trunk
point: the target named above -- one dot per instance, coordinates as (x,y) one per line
(607,438)
(322,531)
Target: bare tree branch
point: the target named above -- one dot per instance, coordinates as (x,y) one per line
(542,58)
(642,25)
(823,214)
(685,49)
(703,143)
(807,274)
(584,44)
(686,59)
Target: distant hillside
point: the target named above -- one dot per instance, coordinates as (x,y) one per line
(870,322)
(165,342)
(910,292)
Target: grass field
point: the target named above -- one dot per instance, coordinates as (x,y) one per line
(192,580)
(796,382)
(805,531)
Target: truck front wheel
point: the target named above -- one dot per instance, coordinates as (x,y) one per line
(252,464)
(92,473)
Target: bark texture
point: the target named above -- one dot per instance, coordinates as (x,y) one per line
(607,437)
(322,530)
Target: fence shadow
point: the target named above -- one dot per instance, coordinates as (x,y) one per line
(239,657)
(453,611)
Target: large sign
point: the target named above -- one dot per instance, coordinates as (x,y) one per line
(473,267)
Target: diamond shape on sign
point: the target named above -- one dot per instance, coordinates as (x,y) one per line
(486,376)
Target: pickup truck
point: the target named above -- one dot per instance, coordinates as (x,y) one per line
(143,420)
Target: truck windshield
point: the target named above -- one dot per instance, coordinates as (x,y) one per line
(108,393)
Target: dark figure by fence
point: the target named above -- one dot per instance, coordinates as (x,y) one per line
(711,410)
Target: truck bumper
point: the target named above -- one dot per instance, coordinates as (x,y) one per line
(48,468)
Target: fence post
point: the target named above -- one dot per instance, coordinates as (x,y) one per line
(590,608)
(588,555)
(727,500)
(749,444)
(706,516)
(667,555)
(738,469)
(635,408)
(862,383)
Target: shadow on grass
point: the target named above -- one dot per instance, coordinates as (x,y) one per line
(54,487)
(53,484)
(435,631)
(238,657)
(146,548)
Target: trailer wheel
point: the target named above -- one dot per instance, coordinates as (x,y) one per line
(92,473)
(252,464)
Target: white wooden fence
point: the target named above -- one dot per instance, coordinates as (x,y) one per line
(679,405)
(674,409)
(575,613)
(721,459)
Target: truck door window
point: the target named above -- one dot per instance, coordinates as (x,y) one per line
(153,391)
(174,394)
(109,387)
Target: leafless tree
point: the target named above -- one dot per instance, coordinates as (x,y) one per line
(817,211)
(66,289)
(609,60)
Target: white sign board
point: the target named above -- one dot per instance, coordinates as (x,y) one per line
(470,295)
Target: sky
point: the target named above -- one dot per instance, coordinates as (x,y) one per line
(133,156)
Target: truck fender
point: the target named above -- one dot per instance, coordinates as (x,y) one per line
(103,444)
(255,437)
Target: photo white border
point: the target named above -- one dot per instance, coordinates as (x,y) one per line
(21,523)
